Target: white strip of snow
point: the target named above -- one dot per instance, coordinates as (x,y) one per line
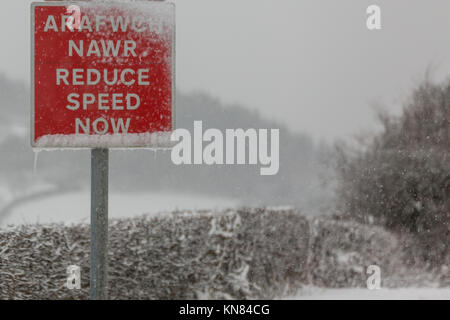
(132,140)
(314,293)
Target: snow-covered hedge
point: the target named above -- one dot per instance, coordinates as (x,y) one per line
(248,253)
(240,254)
(342,251)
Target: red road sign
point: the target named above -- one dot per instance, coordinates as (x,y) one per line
(102,74)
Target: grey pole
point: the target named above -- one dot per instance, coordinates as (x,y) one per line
(99,223)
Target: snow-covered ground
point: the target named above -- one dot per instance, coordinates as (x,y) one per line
(314,293)
(74,207)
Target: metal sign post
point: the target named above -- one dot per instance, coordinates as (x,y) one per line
(99,223)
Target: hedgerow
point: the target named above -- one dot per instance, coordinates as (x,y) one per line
(248,253)
(232,254)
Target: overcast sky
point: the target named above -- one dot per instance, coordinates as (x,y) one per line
(310,64)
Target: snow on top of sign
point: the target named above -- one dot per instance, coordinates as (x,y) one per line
(163,9)
(155,13)
(139,140)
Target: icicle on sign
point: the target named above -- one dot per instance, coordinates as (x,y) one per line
(102,74)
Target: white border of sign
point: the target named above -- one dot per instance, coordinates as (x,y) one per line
(173,107)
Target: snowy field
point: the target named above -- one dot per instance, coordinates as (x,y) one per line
(75,207)
(314,293)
